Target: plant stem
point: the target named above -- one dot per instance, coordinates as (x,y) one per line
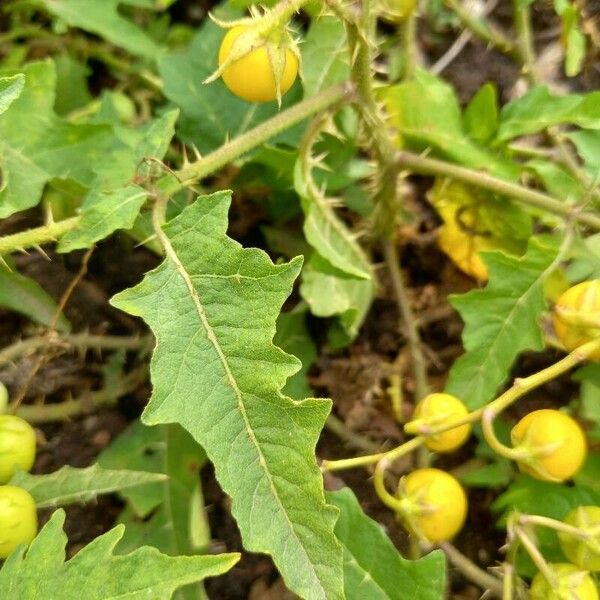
(525,50)
(554,524)
(37,235)
(86,403)
(432,166)
(76,340)
(471,571)
(353,439)
(408,29)
(519,388)
(198,169)
(361,461)
(414,341)
(481,28)
(263,132)
(536,556)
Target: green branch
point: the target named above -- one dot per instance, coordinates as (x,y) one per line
(431,166)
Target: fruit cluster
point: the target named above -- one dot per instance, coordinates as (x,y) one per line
(18,516)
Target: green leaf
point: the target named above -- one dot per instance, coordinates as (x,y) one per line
(571,36)
(373,568)
(325,59)
(101,214)
(36,145)
(103,19)
(97,573)
(69,484)
(588,147)
(213,306)
(167,449)
(293,337)
(27,297)
(534,497)
(480,118)
(328,234)
(10,90)
(500,322)
(72,90)
(330,292)
(585,259)
(589,379)
(426,113)
(538,109)
(211,114)
(557,180)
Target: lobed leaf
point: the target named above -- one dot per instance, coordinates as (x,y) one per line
(36,145)
(501,321)
(42,572)
(373,568)
(69,484)
(538,109)
(213,306)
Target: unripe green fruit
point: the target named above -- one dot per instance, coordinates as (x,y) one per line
(18,519)
(585,553)
(573,584)
(17,446)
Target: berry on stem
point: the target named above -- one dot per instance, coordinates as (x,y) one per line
(585,553)
(442,409)
(18,519)
(17,446)
(571,583)
(435,504)
(555,442)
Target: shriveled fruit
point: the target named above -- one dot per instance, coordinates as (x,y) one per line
(585,553)
(252,76)
(556,441)
(577,316)
(443,409)
(18,518)
(17,446)
(571,584)
(436,504)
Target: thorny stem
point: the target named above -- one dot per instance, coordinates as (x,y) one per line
(536,556)
(198,169)
(263,132)
(471,571)
(431,166)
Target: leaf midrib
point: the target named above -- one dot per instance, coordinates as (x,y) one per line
(172,255)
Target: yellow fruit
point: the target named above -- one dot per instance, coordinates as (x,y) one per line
(439,504)
(585,553)
(18,519)
(17,446)
(443,409)
(573,584)
(558,437)
(582,300)
(251,77)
